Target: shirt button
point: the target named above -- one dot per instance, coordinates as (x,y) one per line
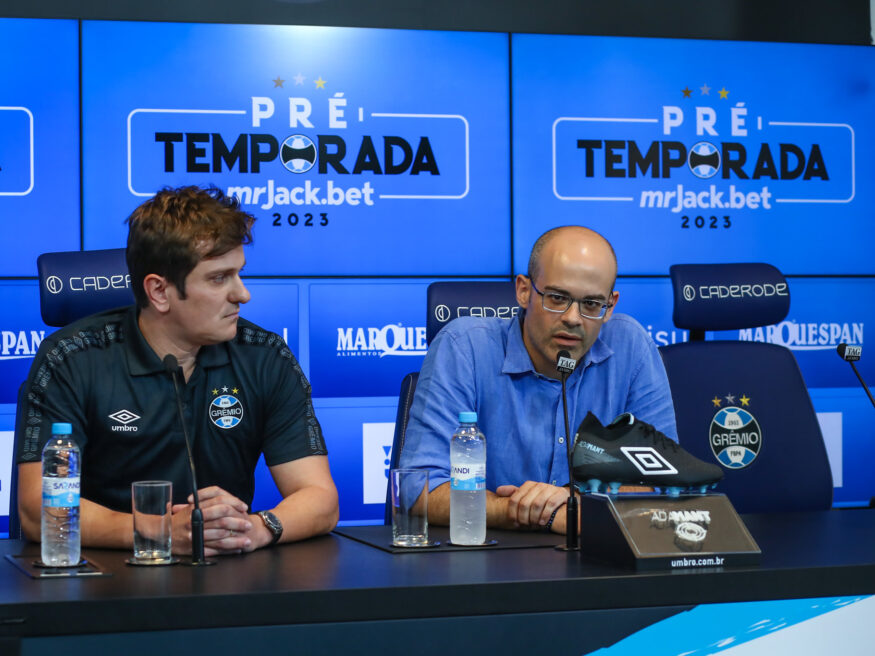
(561,440)
(554,482)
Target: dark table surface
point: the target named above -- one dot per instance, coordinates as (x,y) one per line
(335,578)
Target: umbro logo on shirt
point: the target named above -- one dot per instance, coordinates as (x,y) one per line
(124,419)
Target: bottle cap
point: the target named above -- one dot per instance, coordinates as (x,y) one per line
(62,429)
(468,417)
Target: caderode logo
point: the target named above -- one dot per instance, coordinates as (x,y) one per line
(443,313)
(741,290)
(89,283)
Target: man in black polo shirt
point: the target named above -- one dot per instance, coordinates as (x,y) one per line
(244,393)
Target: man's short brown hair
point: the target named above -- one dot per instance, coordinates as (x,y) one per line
(175,229)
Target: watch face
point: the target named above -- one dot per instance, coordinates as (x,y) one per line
(272,523)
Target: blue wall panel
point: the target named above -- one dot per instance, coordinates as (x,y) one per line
(39,140)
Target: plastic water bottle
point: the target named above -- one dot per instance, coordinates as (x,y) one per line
(468,482)
(59,528)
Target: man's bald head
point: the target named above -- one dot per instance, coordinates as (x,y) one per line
(579,238)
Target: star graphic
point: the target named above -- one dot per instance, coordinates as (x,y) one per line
(686,91)
(716,402)
(320,83)
(299,79)
(215,391)
(730,398)
(278,82)
(234,391)
(225,389)
(723,93)
(744,400)
(706,90)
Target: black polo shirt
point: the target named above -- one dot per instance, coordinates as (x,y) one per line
(246,396)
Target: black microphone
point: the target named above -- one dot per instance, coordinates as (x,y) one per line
(566,364)
(171,365)
(851,354)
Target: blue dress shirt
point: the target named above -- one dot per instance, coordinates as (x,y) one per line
(482,364)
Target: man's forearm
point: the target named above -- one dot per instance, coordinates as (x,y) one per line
(310,511)
(439,508)
(99,526)
(102,527)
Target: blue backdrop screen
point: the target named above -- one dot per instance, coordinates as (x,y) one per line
(697,151)
(349,145)
(39,140)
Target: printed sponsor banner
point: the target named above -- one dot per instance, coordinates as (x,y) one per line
(692,151)
(6,459)
(649,301)
(364,338)
(21,332)
(845,417)
(347,144)
(377,438)
(358,432)
(823,314)
(39,140)
(274,306)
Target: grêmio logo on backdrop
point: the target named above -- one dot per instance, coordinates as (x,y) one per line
(706,152)
(810,336)
(302,150)
(392,339)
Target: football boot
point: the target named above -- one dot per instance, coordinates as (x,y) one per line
(629,451)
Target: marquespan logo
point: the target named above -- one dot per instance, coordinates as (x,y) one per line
(225,410)
(734,435)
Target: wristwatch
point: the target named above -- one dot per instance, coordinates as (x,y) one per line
(274,525)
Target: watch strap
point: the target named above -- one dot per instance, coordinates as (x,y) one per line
(273,524)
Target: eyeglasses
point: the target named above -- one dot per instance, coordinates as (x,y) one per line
(588,308)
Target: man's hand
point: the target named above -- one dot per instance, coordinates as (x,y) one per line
(531,504)
(228,528)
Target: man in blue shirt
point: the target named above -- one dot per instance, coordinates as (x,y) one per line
(506,372)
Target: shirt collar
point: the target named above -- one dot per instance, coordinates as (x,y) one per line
(143,361)
(518,361)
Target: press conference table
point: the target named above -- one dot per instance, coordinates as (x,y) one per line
(333,594)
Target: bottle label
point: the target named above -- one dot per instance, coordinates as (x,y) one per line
(60,492)
(469,478)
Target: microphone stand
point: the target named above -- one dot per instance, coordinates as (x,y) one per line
(572,515)
(197,517)
(862,382)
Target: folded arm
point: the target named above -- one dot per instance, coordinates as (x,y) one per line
(528,506)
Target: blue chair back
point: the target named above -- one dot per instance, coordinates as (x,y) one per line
(745,404)
(449,300)
(446,301)
(74,284)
